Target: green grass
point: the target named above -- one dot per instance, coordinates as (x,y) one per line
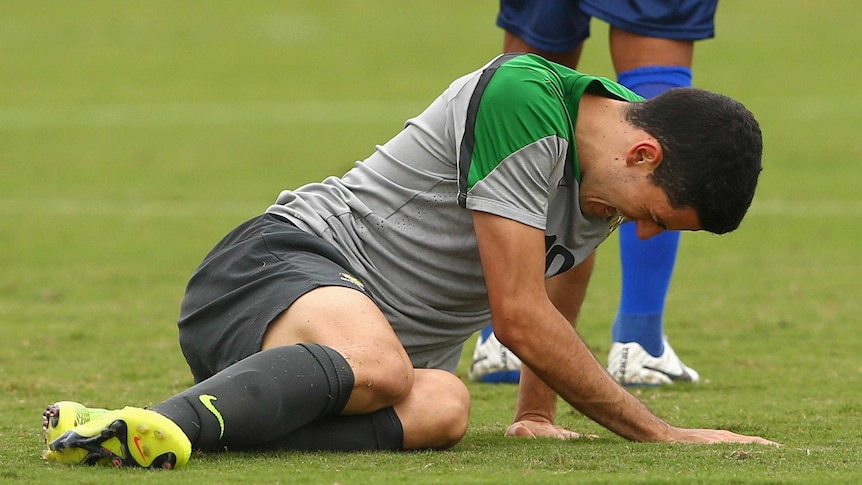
(135,134)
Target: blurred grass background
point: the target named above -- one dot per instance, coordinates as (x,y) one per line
(134,134)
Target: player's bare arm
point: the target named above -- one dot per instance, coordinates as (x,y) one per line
(536,409)
(527,322)
(536,412)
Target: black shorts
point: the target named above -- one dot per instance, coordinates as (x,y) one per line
(255,273)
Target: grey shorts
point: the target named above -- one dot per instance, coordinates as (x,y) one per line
(255,273)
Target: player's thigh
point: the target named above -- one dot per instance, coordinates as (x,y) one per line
(338,317)
(349,322)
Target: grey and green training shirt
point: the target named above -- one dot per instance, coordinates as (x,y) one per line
(498,140)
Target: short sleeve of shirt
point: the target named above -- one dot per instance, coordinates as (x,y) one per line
(521,131)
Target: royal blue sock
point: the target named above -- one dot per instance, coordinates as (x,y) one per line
(647,266)
(650,81)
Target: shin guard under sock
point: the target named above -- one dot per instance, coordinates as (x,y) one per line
(262,397)
(647,266)
(380,430)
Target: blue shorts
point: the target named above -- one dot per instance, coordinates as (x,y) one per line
(562,25)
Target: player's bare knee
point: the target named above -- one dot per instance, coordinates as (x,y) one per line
(387,379)
(436,414)
(455,410)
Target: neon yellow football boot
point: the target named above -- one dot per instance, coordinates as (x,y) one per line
(131,437)
(65,415)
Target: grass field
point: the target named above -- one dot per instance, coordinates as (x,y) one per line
(134,134)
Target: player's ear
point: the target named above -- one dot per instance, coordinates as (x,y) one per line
(647,152)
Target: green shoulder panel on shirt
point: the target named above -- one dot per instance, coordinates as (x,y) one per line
(519,106)
(528,99)
(605,87)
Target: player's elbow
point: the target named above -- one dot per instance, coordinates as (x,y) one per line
(515,323)
(511,333)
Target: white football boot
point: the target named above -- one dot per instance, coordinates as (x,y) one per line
(631,365)
(493,362)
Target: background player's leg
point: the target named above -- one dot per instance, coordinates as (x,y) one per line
(647,265)
(513,43)
(648,66)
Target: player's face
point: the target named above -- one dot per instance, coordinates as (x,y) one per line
(644,204)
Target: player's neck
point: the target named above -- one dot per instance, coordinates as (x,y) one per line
(602,131)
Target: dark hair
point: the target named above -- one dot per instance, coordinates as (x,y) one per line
(712,153)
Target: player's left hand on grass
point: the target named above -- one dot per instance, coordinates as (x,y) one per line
(543,429)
